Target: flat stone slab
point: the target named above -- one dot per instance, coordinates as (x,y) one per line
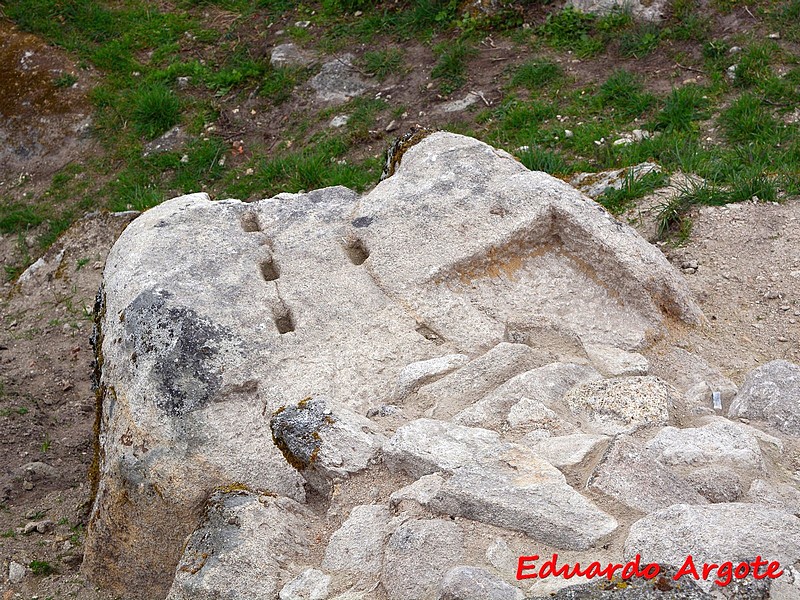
(475,475)
(715,533)
(718,443)
(631,476)
(338,81)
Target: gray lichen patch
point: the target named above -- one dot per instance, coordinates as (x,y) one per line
(182,347)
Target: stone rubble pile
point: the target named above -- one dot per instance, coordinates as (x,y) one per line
(394,396)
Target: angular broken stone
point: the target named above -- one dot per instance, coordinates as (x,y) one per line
(567,450)
(595,184)
(426,446)
(311,584)
(716,484)
(479,377)
(338,81)
(288,55)
(783,496)
(546,385)
(357,546)
(613,362)
(418,554)
(419,373)
(642,10)
(718,443)
(696,379)
(242,548)
(325,442)
(771,393)
(623,405)
(715,533)
(473,583)
(631,476)
(495,482)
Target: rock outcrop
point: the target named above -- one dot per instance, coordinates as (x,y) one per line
(393,396)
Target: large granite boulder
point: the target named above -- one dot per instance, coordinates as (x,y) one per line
(214,315)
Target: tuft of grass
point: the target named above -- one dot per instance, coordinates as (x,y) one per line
(747,121)
(569,29)
(156,109)
(682,108)
(617,201)
(536,74)
(382,63)
(317,165)
(41,567)
(65,80)
(688,24)
(540,159)
(639,41)
(279,83)
(754,65)
(624,93)
(518,122)
(451,68)
(16,217)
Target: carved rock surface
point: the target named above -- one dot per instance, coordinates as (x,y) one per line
(213,315)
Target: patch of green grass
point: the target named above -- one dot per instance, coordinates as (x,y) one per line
(688,22)
(535,74)
(451,66)
(624,93)
(754,65)
(16,217)
(156,109)
(788,19)
(65,80)
(639,41)
(279,83)
(617,201)
(382,63)
(10,533)
(747,121)
(516,123)
(682,108)
(317,165)
(568,29)
(41,568)
(717,55)
(363,112)
(541,159)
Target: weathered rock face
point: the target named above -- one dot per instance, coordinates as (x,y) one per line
(245,538)
(771,393)
(462,268)
(715,533)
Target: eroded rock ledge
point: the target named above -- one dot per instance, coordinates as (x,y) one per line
(323,395)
